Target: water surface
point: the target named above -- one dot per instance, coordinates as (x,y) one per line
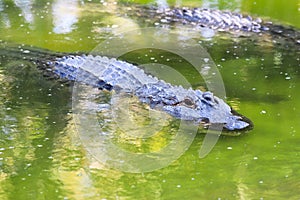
(42,156)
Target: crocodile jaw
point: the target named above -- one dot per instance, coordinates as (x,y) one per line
(237,122)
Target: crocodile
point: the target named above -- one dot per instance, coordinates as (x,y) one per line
(105,73)
(218,20)
(214,19)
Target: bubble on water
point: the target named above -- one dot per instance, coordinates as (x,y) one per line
(263,112)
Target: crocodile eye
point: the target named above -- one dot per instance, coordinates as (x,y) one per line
(188,102)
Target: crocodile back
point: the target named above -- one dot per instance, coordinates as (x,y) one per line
(101,72)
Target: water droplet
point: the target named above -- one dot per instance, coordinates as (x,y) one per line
(206,60)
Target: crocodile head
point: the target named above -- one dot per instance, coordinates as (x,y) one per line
(193,105)
(206,109)
(216,111)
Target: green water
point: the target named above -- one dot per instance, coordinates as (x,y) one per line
(41,152)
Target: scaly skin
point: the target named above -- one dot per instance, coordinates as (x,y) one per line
(186,104)
(220,21)
(215,19)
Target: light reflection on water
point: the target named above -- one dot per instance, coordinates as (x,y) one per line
(65,16)
(26,6)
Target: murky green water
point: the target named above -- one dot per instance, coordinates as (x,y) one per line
(41,152)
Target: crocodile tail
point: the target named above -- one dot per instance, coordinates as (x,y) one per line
(27,52)
(38,56)
(286,33)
